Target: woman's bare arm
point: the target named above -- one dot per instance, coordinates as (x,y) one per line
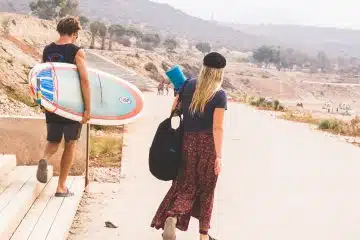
(174,103)
(218,131)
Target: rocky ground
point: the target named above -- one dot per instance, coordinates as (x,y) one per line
(11,107)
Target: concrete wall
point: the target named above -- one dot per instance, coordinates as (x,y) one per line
(26,138)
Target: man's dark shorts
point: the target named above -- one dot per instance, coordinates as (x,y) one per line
(70,131)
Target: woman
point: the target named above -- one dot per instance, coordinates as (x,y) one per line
(192,193)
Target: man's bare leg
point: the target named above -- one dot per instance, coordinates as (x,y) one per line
(65,165)
(42,172)
(50,150)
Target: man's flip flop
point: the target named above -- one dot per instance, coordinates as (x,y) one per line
(42,171)
(65,194)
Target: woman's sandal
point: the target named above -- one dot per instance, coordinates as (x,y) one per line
(211,238)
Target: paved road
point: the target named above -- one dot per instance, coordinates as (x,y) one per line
(280,181)
(98,62)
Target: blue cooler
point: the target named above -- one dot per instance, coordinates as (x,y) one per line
(176,76)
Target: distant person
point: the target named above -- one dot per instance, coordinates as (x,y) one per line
(167,89)
(64,50)
(192,193)
(160,88)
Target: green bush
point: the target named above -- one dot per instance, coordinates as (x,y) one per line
(276,104)
(254,103)
(98,127)
(329,124)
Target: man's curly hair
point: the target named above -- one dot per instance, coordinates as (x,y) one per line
(68,26)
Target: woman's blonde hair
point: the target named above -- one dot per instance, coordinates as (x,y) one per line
(208,83)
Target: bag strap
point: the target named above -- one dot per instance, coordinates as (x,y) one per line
(179,101)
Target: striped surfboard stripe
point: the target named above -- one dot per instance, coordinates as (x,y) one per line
(47,84)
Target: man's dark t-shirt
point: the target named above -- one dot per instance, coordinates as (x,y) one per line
(201,122)
(59,53)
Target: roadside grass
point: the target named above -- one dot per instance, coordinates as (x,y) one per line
(332,125)
(260,103)
(106,149)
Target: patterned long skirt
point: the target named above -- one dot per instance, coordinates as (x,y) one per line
(192,193)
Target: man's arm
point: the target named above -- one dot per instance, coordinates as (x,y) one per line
(84,81)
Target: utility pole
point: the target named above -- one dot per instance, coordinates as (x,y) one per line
(212,18)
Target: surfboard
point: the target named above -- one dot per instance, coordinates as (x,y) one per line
(114,101)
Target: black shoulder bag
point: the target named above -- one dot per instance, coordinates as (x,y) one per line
(165,156)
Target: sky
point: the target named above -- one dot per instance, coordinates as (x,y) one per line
(325,13)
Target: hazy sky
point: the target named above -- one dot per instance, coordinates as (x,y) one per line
(335,13)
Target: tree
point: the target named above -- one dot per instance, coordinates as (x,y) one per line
(288,58)
(170,44)
(117,30)
(134,32)
(322,61)
(102,33)
(44,9)
(94,29)
(153,39)
(69,7)
(84,21)
(265,54)
(203,47)
(52,9)
(285,59)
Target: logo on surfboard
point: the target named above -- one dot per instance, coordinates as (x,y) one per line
(125,100)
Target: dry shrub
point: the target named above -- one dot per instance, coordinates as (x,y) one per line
(165,66)
(300,117)
(156,76)
(227,84)
(150,67)
(5,24)
(262,104)
(105,151)
(333,125)
(17,94)
(238,97)
(336,126)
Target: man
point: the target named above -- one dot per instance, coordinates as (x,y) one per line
(64,50)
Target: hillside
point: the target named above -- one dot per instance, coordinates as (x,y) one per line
(333,41)
(20,50)
(310,40)
(20,6)
(168,19)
